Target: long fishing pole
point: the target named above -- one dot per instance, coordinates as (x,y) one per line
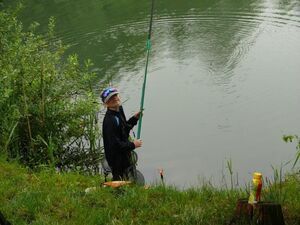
(148,47)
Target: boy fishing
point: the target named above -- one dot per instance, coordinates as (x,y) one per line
(115,130)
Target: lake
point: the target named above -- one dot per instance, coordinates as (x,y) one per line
(223,80)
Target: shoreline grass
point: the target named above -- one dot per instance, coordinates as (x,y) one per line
(47,197)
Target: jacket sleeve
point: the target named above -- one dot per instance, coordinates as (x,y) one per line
(114,139)
(131,122)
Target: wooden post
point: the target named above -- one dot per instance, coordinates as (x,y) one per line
(269,213)
(262,213)
(243,209)
(243,212)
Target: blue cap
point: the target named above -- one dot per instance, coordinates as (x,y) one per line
(107,93)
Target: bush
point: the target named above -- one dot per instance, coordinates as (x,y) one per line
(47,104)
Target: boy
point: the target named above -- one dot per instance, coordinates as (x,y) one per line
(115,130)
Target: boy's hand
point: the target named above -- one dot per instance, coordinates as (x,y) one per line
(138,114)
(137,143)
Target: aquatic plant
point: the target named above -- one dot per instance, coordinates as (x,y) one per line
(294,138)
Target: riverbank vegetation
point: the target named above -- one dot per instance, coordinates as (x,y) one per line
(48,197)
(48,106)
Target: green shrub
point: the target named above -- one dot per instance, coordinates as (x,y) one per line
(47,104)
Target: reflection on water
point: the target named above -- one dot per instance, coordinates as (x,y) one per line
(223,76)
(213,33)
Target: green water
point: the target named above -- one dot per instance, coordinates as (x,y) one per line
(223,78)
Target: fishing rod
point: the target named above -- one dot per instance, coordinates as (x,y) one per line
(148,47)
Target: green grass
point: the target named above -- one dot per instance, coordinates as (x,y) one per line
(47,197)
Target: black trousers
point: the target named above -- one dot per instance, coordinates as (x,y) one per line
(122,174)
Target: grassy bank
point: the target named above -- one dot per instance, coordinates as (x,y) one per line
(49,198)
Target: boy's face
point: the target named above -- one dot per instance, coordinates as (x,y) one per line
(114,101)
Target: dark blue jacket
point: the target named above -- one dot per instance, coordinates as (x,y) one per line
(117,147)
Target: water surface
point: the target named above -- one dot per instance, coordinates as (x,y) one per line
(223,78)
